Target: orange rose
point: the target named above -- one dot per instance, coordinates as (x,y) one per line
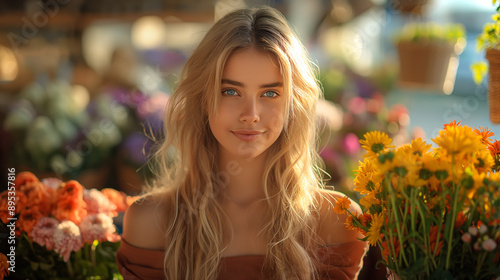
(23,178)
(28,219)
(37,194)
(69,204)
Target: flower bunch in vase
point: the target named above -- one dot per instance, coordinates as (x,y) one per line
(60,229)
(434,212)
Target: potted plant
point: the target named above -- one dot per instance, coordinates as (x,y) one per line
(488,41)
(428,55)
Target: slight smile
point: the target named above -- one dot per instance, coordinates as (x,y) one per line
(247,135)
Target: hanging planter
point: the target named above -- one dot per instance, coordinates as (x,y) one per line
(493,57)
(428,56)
(489,40)
(415,7)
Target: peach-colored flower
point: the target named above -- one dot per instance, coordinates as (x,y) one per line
(97,202)
(23,178)
(28,219)
(43,232)
(67,238)
(97,227)
(69,202)
(4,266)
(119,199)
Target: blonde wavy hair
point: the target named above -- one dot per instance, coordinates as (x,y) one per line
(188,164)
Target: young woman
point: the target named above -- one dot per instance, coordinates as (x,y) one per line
(242,196)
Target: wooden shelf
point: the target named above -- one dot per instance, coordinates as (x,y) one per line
(68,21)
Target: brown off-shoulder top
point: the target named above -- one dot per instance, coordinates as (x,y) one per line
(338,262)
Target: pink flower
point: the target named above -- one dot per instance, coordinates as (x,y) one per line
(97,202)
(67,238)
(489,245)
(97,227)
(477,247)
(43,232)
(466,237)
(483,229)
(473,231)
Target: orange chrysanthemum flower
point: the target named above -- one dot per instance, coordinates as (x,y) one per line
(342,205)
(4,266)
(485,134)
(494,148)
(452,123)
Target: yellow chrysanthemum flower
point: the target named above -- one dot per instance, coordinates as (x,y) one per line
(373,235)
(375,142)
(420,147)
(483,161)
(456,140)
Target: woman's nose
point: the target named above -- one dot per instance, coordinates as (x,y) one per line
(250,111)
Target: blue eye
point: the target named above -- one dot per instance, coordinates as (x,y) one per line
(230,92)
(270,94)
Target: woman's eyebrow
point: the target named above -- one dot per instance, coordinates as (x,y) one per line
(239,84)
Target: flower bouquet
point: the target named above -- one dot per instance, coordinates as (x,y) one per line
(434,212)
(59,230)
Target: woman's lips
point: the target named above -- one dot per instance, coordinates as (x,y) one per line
(248,135)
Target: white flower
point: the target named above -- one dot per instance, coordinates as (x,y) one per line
(97,227)
(67,238)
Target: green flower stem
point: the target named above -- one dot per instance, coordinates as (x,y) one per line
(92,255)
(398,222)
(480,262)
(70,269)
(453,215)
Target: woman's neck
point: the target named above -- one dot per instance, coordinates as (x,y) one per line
(242,179)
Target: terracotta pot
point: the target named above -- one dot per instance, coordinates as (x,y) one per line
(429,66)
(493,57)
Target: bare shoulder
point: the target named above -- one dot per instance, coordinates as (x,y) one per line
(145,221)
(331,228)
